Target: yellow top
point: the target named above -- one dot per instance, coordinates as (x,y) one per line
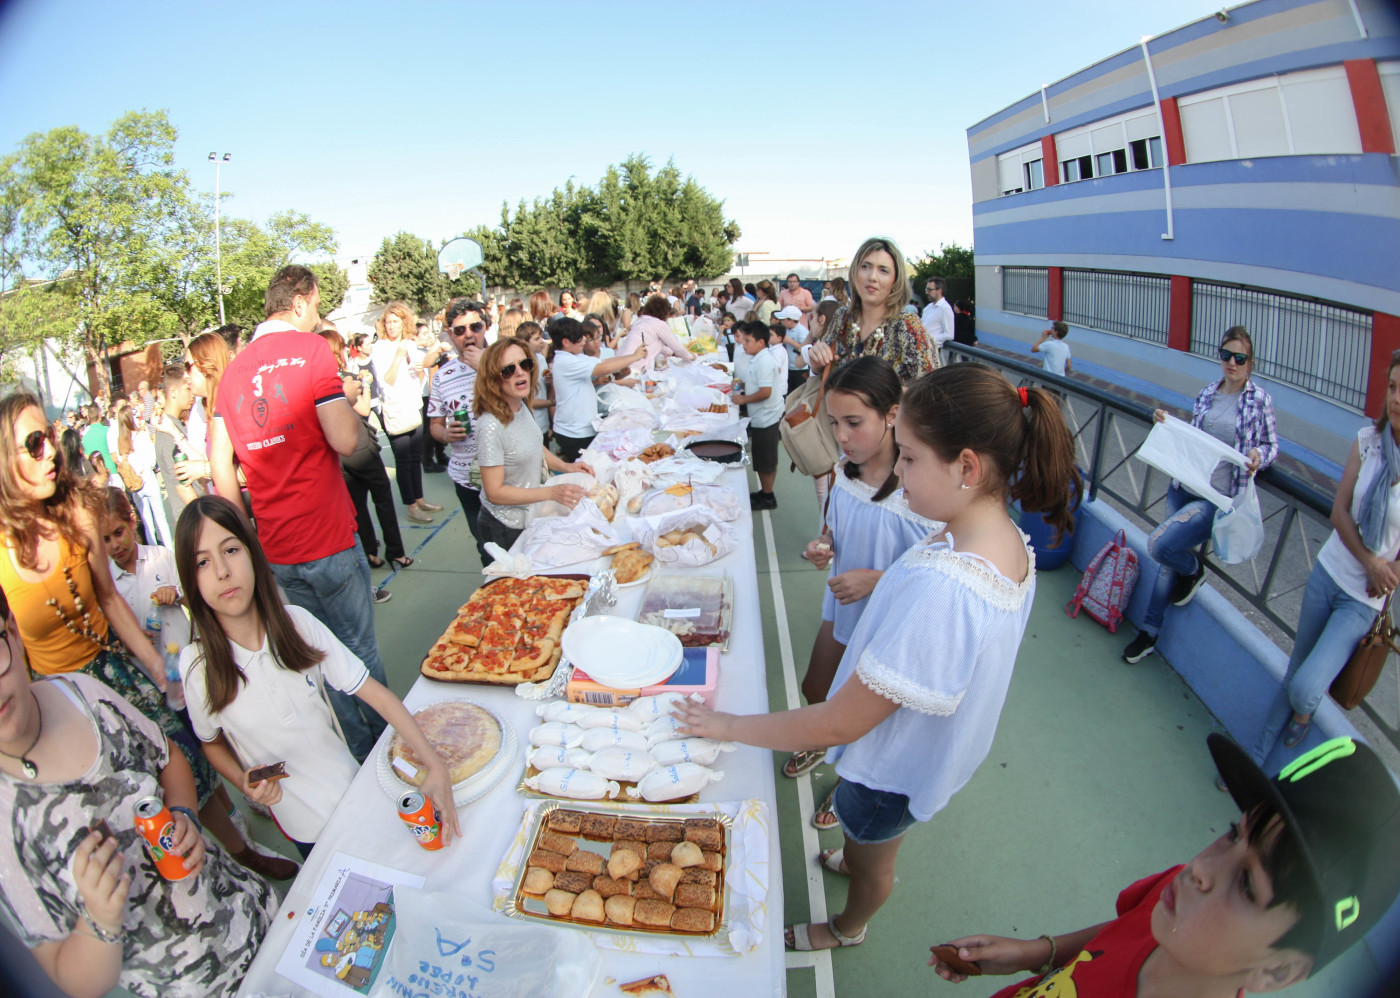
(51,646)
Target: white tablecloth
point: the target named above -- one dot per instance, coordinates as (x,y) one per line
(367,825)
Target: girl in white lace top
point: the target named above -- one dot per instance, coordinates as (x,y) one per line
(934,650)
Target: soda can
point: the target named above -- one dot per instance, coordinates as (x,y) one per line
(464,417)
(423,819)
(157,827)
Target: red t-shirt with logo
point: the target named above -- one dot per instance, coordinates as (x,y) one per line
(267,400)
(1109,966)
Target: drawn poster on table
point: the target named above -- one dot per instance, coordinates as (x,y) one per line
(338,949)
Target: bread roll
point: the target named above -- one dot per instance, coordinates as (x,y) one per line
(664,879)
(686,854)
(608,887)
(559,903)
(564,822)
(551,861)
(589,907)
(665,831)
(573,881)
(537,881)
(619,909)
(623,862)
(585,861)
(654,913)
(693,920)
(555,842)
(699,875)
(696,896)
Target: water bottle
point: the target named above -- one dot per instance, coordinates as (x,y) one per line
(174,689)
(153,622)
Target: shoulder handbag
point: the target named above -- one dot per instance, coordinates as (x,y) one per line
(1364,666)
(805,430)
(130,478)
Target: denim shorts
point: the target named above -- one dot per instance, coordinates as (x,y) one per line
(870,816)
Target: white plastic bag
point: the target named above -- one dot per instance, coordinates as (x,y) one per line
(694,536)
(626,419)
(551,541)
(615,397)
(442,938)
(1238,532)
(1190,456)
(726,503)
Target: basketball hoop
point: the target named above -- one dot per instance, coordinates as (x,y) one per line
(454,271)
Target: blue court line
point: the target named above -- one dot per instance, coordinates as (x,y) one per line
(384,583)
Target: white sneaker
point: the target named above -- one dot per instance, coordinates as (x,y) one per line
(241,823)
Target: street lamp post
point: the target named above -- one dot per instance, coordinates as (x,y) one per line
(218,252)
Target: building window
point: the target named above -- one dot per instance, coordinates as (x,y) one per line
(1021,170)
(1123,144)
(1318,346)
(1309,112)
(1390,86)
(1026,290)
(1133,305)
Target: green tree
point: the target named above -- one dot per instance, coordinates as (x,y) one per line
(633,225)
(253,253)
(405,269)
(953,263)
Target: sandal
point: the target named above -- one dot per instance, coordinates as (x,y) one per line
(374,561)
(834,860)
(403,562)
(801,763)
(824,818)
(799,937)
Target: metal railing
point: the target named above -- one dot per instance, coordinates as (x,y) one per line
(1135,305)
(1109,429)
(1026,290)
(1321,348)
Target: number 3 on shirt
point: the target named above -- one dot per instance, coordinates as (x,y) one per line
(257,385)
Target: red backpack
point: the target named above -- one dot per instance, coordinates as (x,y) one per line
(1108,583)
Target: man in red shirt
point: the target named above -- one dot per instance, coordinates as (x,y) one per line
(283,414)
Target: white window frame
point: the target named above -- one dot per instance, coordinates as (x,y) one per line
(1278,85)
(1022,158)
(1088,131)
(1389,71)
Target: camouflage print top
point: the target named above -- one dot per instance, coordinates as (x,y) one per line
(193,937)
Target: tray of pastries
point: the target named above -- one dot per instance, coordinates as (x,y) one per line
(508,632)
(625,870)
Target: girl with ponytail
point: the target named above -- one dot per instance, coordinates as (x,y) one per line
(916,699)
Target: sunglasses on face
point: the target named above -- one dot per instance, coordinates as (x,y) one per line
(474,327)
(1238,358)
(525,365)
(34,442)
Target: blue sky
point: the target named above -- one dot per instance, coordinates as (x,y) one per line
(818,124)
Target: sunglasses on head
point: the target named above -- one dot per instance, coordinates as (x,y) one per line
(34,442)
(525,365)
(462,330)
(1238,358)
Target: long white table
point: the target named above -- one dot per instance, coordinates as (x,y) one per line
(366,824)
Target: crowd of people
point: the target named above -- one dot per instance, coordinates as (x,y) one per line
(158,667)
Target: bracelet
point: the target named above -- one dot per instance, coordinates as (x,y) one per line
(1049,964)
(188,814)
(98,932)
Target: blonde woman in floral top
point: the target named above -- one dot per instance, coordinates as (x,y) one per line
(874,322)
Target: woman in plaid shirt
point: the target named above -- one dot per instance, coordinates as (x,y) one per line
(1240,413)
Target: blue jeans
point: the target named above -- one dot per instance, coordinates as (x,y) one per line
(870,816)
(335,589)
(1330,623)
(1171,545)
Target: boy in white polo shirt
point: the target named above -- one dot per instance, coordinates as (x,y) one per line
(762,393)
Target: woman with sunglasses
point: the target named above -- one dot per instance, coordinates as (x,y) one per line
(509,445)
(1238,412)
(57,577)
(74,882)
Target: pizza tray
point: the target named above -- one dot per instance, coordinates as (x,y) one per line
(530,907)
(574,614)
(464,791)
